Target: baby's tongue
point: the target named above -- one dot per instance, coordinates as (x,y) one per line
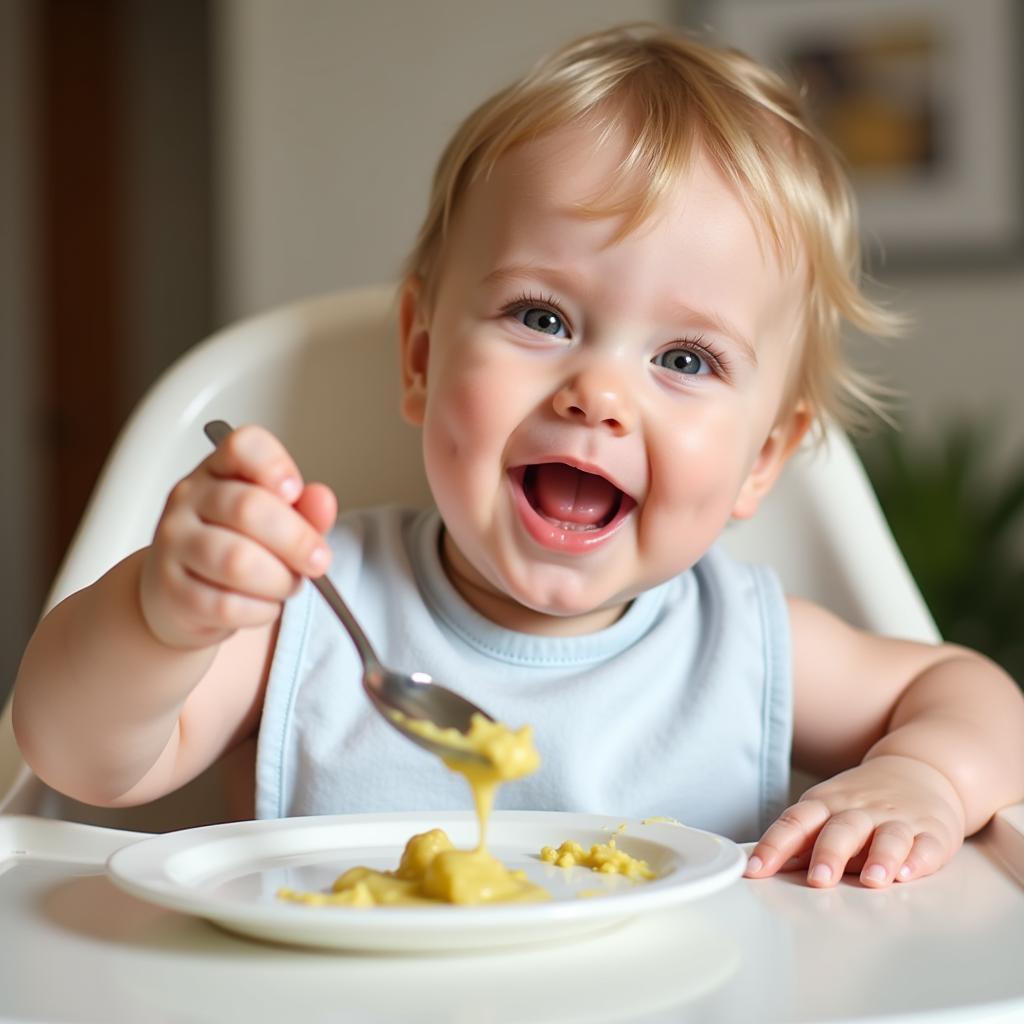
(572,496)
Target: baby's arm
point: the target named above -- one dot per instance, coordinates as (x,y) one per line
(933,735)
(132,686)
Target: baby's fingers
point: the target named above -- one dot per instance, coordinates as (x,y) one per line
(253,513)
(841,838)
(254,454)
(789,836)
(226,560)
(887,854)
(318,505)
(207,611)
(926,856)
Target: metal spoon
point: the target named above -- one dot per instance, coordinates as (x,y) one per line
(414,696)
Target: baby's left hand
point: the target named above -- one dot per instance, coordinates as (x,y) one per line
(891,819)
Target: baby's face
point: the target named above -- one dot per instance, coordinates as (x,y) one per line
(594,413)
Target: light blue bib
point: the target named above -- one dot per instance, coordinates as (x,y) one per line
(681,708)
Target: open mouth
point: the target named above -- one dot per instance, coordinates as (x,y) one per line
(568,508)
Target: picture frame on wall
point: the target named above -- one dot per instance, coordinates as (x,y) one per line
(923,99)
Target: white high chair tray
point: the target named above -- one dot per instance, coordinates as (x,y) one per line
(77,950)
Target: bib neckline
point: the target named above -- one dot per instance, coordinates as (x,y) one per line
(453,612)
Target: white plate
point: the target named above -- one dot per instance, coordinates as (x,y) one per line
(230,874)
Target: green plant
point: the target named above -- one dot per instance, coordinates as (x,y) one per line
(960,525)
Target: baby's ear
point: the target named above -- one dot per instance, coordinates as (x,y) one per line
(780,444)
(414,339)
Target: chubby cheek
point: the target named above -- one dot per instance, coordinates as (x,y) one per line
(447,426)
(464,433)
(696,475)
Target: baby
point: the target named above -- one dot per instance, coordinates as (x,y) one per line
(621,317)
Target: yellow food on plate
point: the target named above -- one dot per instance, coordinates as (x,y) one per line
(606,858)
(431,869)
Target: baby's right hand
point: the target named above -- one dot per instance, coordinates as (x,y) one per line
(235,538)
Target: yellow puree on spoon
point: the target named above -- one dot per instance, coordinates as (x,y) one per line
(431,869)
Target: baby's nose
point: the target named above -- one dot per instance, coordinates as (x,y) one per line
(597,397)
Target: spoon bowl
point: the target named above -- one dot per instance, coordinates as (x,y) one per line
(396,695)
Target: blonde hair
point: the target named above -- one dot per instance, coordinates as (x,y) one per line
(682,94)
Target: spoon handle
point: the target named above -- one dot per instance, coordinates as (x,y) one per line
(216,431)
(371,663)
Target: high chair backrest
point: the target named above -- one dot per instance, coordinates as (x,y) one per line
(323,375)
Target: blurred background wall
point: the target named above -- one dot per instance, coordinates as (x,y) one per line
(166,167)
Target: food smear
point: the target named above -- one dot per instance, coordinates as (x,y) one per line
(432,870)
(605,858)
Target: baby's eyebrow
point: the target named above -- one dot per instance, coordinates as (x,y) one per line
(678,312)
(517,271)
(709,320)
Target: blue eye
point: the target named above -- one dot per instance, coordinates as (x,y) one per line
(542,320)
(682,360)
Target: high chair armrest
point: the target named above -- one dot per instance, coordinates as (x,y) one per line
(1004,839)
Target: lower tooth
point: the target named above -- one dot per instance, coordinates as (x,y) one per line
(575,527)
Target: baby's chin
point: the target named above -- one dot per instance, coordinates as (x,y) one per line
(523,596)
(565,602)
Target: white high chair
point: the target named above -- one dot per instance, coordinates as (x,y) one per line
(323,375)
